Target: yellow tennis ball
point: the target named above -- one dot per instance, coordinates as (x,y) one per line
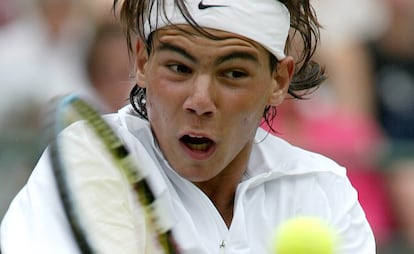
(304,235)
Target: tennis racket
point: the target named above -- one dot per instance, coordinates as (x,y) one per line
(106,196)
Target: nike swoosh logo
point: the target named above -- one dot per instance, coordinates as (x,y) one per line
(202,6)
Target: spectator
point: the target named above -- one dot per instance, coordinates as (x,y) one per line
(337,120)
(374,76)
(41,51)
(108,66)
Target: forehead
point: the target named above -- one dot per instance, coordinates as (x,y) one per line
(213,39)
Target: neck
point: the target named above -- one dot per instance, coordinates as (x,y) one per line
(222,194)
(222,189)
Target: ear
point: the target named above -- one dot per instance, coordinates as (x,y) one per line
(282,77)
(141,63)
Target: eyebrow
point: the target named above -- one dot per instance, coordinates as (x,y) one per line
(164,46)
(237,55)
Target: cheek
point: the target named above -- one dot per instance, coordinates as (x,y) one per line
(249,113)
(154,96)
(163,103)
(255,106)
(251,121)
(156,105)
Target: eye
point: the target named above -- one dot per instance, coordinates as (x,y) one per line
(179,68)
(235,74)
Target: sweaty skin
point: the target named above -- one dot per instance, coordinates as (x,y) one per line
(205,100)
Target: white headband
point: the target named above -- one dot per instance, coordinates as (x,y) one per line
(264,21)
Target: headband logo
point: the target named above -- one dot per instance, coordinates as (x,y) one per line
(202,6)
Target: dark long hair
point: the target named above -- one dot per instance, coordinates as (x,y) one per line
(304,27)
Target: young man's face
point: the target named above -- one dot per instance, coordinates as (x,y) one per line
(205,98)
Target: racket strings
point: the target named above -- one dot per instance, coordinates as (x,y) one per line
(135,177)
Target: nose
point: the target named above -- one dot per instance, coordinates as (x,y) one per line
(201,98)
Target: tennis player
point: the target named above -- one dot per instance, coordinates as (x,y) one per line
(208,72)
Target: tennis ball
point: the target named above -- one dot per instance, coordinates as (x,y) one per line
(304,235)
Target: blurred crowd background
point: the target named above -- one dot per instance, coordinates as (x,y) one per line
(362,116)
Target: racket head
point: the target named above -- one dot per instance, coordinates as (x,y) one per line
(103,205)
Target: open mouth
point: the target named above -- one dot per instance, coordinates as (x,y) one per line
(197,143)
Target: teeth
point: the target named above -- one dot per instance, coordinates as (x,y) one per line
(195,136)
(196,142)
(199,147)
